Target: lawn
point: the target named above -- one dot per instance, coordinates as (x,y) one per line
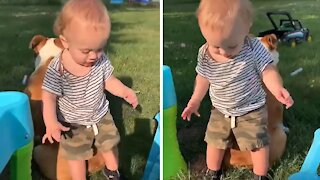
(134,51)
(182,39)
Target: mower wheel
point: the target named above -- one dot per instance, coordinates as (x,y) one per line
(309,39)
(293,43)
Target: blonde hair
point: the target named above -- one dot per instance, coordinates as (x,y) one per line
(214,13)
(92,12)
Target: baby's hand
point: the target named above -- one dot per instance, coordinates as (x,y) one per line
(285,98)
(53,130)
(192,108)
(131,97)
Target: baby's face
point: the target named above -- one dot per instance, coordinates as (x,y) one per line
(85,43)
(226,42)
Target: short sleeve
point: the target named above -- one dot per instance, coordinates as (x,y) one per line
(201,62)
(261,55)
(107,67)
(52,80)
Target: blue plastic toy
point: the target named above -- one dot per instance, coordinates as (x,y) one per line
(173,162)
(16,134)
(152,170)
(310,165)
(144,2)
(116,2)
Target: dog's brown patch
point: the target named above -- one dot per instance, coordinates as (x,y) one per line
(37,42)
(270,41)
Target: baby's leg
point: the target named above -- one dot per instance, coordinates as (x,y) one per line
(111,159)
(217,138)
(260,160)
(106,142)
(77,169)
(214,157)
(111,162)
(251,134)
(76,149)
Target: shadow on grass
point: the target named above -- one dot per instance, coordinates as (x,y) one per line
(179,25)
(134,145)
(136,137)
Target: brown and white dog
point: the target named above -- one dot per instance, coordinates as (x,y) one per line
(48,156)
(276,130)
(270,42)
(44,48)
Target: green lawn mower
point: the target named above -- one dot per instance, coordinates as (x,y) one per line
(288,30)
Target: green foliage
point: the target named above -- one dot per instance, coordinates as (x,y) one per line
(30,2)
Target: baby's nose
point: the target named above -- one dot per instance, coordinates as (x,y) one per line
(222,52)
(93,55)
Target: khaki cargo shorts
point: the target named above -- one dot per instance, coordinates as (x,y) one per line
(77,144)
(250,131)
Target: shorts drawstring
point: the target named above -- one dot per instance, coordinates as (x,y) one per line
(233,120)
(95,128)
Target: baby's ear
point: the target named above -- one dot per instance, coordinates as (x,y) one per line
(63,42)
(62,38)
(249,27)
(58,43)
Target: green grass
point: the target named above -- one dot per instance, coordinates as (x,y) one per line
(180,26)
(134,51)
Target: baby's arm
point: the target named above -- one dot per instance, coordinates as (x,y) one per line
(53,127)
(200,89)
(273,82)
(117,88)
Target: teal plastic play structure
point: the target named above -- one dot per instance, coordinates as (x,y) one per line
(16,134)
(310,165)
(152,170)
(116,2)
(145,2)
(173,162)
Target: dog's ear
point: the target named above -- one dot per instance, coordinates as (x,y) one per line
(35,41)
(272,41)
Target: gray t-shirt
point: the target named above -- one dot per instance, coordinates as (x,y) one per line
(81,99)
(235,85)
